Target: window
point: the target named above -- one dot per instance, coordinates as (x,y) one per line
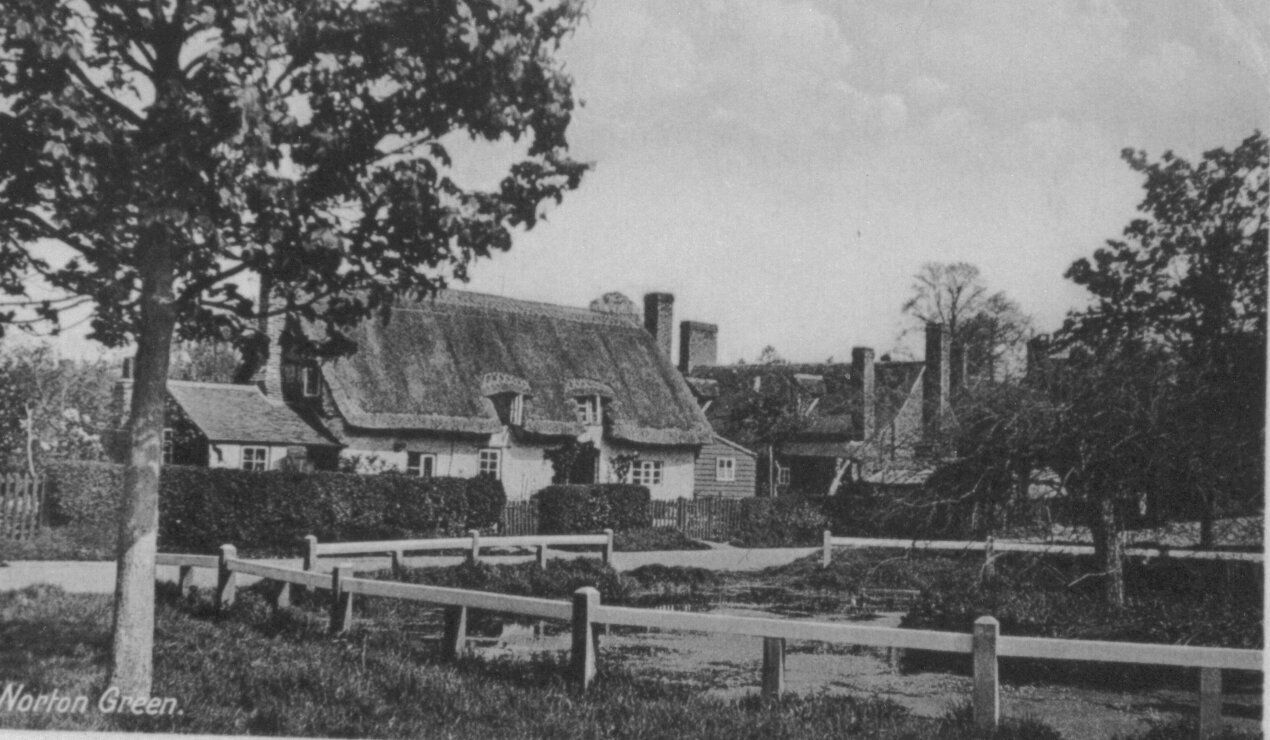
(255,458)
(725,468)
(167,446)
(588,409)
(782,475)
(309,383)
(516,413)
(646,472)
(490,463)
(420,464)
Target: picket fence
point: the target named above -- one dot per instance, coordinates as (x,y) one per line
(985,644)
(22,507)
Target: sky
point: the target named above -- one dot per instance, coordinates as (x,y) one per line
(784,167)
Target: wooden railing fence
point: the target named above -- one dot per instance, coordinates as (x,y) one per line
(22,506)
(472,544)
(985,643)
(990,546)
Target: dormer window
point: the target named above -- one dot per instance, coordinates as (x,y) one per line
(309,381)
(589,410)
(516,411)
(510,408)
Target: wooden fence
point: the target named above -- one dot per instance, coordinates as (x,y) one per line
(585,612)
(472,544)
(22,506)
(519,517)
(991,546)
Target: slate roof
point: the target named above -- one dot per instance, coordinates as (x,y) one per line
(424,370)
(226,412)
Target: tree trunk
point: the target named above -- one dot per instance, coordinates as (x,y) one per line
(133,644)
(1109,551)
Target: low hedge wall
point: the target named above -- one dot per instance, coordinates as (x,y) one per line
(584,508)
(203,508)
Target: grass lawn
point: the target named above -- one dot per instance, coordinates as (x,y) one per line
(280,674)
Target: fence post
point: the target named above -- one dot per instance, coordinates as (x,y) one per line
(987,692)
(310,552)
(582,656)
(475,554)
(455,632)
(185,580)
(773,667)
(542,557)
(1209,702)
(397,566)
(225,585)
(608,547)
(681,515)
(826,553)
(341,600)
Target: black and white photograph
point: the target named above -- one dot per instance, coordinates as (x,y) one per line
(486,369)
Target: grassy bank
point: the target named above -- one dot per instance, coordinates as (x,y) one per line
(280,674)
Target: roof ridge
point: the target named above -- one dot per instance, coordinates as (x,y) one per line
(489,301)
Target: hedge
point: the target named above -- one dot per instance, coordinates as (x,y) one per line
(575,509)
(203,508)
(783,521)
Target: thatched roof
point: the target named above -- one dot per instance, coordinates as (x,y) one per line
(226,412)
(435,363)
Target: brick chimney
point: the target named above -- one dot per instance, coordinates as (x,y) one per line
(659,317)
(935,380)
(268,376)
(698,345)
(862,368)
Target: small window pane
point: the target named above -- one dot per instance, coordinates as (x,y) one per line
(489,463)
(255,458)
(725,469)
(168,446)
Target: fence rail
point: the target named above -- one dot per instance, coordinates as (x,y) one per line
(992,545)
(984,644)
(22,506)
(473,544)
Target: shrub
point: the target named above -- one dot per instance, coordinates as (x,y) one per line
(269,513)
(577,509)
(485,502)
(785,521)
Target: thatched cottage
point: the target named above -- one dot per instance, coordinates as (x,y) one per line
(466,384)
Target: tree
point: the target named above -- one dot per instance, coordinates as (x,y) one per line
(50,408)
(985,328)
(177,152)
(1188,280)
(769,356)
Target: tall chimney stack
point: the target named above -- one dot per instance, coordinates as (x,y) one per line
(659,317)
(698,345)
(862,368)
(935,380)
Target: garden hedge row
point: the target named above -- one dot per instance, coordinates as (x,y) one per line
(203,508)
(582,508)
